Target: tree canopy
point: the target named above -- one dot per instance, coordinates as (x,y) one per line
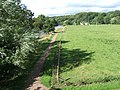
(45,24)
(15,43)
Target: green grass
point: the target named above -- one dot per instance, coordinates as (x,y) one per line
(89,55)
(102,45)
(46,75)
(114,85)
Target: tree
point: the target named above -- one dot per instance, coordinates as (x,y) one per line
(115,20)
(45,24)
(15,27)
(107,20)
(54,22)
(38,23)
(100,18)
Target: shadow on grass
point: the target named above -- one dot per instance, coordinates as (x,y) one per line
(73,58)
(69,59)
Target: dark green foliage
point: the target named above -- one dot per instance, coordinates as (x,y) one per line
(107,19)
(19,82)
(15,38)
(100,18)
(46,24)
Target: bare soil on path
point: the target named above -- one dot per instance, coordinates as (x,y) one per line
(33,82)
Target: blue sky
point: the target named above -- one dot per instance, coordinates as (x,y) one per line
(65,7)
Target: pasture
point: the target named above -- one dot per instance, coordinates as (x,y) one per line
(89,58)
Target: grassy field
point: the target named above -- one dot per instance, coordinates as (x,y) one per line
(89,58)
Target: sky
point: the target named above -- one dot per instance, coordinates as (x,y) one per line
(67,7)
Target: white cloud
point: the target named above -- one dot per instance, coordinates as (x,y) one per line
(61,7)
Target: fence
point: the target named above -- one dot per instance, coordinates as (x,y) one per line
(56,63)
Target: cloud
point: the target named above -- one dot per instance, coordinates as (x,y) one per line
(96,3)
(63,7)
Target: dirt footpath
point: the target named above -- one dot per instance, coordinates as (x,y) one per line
(33,82)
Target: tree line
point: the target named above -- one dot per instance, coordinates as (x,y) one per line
(112,17)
